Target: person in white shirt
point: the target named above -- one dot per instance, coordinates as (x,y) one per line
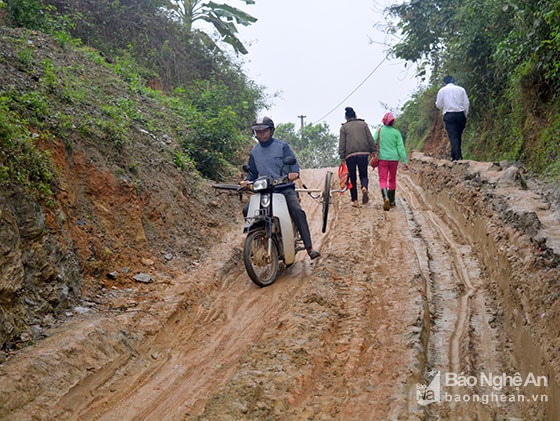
(454,102)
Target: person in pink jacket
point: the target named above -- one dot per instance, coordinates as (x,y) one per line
(391,151)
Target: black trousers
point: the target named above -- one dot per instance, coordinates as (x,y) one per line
(298,215)
(454,125)
(357,167)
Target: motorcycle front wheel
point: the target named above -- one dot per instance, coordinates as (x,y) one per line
(262,266)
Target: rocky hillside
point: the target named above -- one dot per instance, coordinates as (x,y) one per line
(121,202)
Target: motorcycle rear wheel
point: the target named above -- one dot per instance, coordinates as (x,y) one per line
(261,266)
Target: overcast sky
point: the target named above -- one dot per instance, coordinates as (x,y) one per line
(315,53)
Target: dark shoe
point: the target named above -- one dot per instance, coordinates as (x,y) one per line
(392,198)
(365,196)
(386,201)
(313,254)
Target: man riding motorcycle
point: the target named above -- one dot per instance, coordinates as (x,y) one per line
(266,158)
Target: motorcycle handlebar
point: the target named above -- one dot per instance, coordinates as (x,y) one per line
(248,186)
(275,181)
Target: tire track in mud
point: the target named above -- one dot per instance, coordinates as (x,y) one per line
(459,337)
(379,307)
(450,280)
(360,363)
(347,347)
(345,360)
(195,352)
(348,336)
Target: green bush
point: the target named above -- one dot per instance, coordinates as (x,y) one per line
(213,141)
(21,161)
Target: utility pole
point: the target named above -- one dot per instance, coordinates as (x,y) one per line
(301,117)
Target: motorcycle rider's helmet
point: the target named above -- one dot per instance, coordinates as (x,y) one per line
(262,123)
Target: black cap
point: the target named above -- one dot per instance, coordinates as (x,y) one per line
(350,113)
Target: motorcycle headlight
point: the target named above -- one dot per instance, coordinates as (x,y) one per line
(265,200)
(261,184)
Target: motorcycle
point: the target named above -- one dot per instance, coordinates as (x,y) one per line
(271,235)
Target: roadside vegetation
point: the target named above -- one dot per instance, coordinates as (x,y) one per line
(116,78)
(148,49)
(507,56)
(315,145)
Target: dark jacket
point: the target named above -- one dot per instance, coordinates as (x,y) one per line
(267,159)
(355,139)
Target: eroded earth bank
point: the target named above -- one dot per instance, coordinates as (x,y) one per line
(445,307)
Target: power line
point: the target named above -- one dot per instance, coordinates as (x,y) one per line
(353,92)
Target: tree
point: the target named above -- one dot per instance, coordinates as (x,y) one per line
(321,150)
(424,27)
(314,146)
(223,18)
(506,55)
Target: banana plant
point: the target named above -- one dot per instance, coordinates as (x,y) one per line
(223,18)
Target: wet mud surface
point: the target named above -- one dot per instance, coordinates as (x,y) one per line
(458,284)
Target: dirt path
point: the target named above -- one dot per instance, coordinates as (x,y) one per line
(395,298)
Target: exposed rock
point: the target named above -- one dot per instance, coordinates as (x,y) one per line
(39,276)
(143,278)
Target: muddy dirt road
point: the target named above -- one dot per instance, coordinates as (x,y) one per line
(444,307)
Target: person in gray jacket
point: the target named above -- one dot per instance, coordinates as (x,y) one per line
(267,158)
(355,147)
